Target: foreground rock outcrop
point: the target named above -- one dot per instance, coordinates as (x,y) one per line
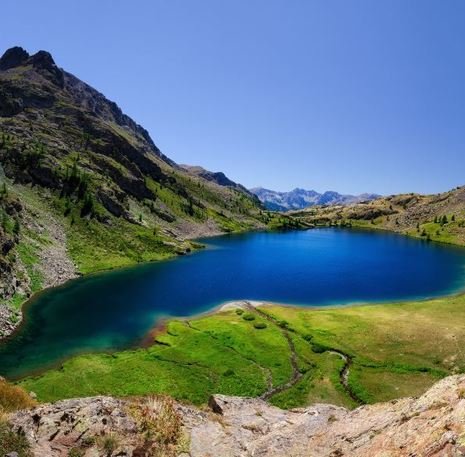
(431,425)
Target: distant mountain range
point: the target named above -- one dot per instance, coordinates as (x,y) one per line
(301,198)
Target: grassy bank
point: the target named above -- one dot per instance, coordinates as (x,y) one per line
(396,350)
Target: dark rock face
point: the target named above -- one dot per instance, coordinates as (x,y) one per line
(44,61)
(41,61)
(218,177)
(9,105)
(112,203)
(13,57)
(93,101)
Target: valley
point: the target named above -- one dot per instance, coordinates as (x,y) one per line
(85,190)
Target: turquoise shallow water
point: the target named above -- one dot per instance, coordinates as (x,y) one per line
(321,267)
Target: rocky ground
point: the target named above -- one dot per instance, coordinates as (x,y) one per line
(9,319)
(45,261)
(54,261)
(431,425)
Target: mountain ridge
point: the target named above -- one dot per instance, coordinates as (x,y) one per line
(84,188)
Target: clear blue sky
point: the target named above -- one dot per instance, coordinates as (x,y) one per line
(345,95)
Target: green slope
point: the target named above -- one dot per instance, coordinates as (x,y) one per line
(93,191)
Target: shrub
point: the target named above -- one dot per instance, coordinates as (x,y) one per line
(88,441)
(248,317)
(318,348)
(88,206)
(259,325)
(307,337)
(13,442)
(239,311)
(13,398)
(108,444)
(161,425)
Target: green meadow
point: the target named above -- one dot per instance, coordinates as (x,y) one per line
(395,350)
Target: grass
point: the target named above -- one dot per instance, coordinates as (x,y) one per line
(13,398)
(396,350)
(160,425)
(29,258)
(94,247)
(13,442)
(221,353)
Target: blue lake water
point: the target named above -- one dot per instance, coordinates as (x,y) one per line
(320,267)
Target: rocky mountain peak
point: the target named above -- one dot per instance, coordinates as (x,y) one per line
(42,61)
(13,57)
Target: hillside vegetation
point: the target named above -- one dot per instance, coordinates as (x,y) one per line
(84,188)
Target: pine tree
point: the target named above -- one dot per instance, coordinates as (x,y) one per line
(16,227)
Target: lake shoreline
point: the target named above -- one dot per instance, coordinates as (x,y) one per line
(160,321)
(8,328)
(160,326)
